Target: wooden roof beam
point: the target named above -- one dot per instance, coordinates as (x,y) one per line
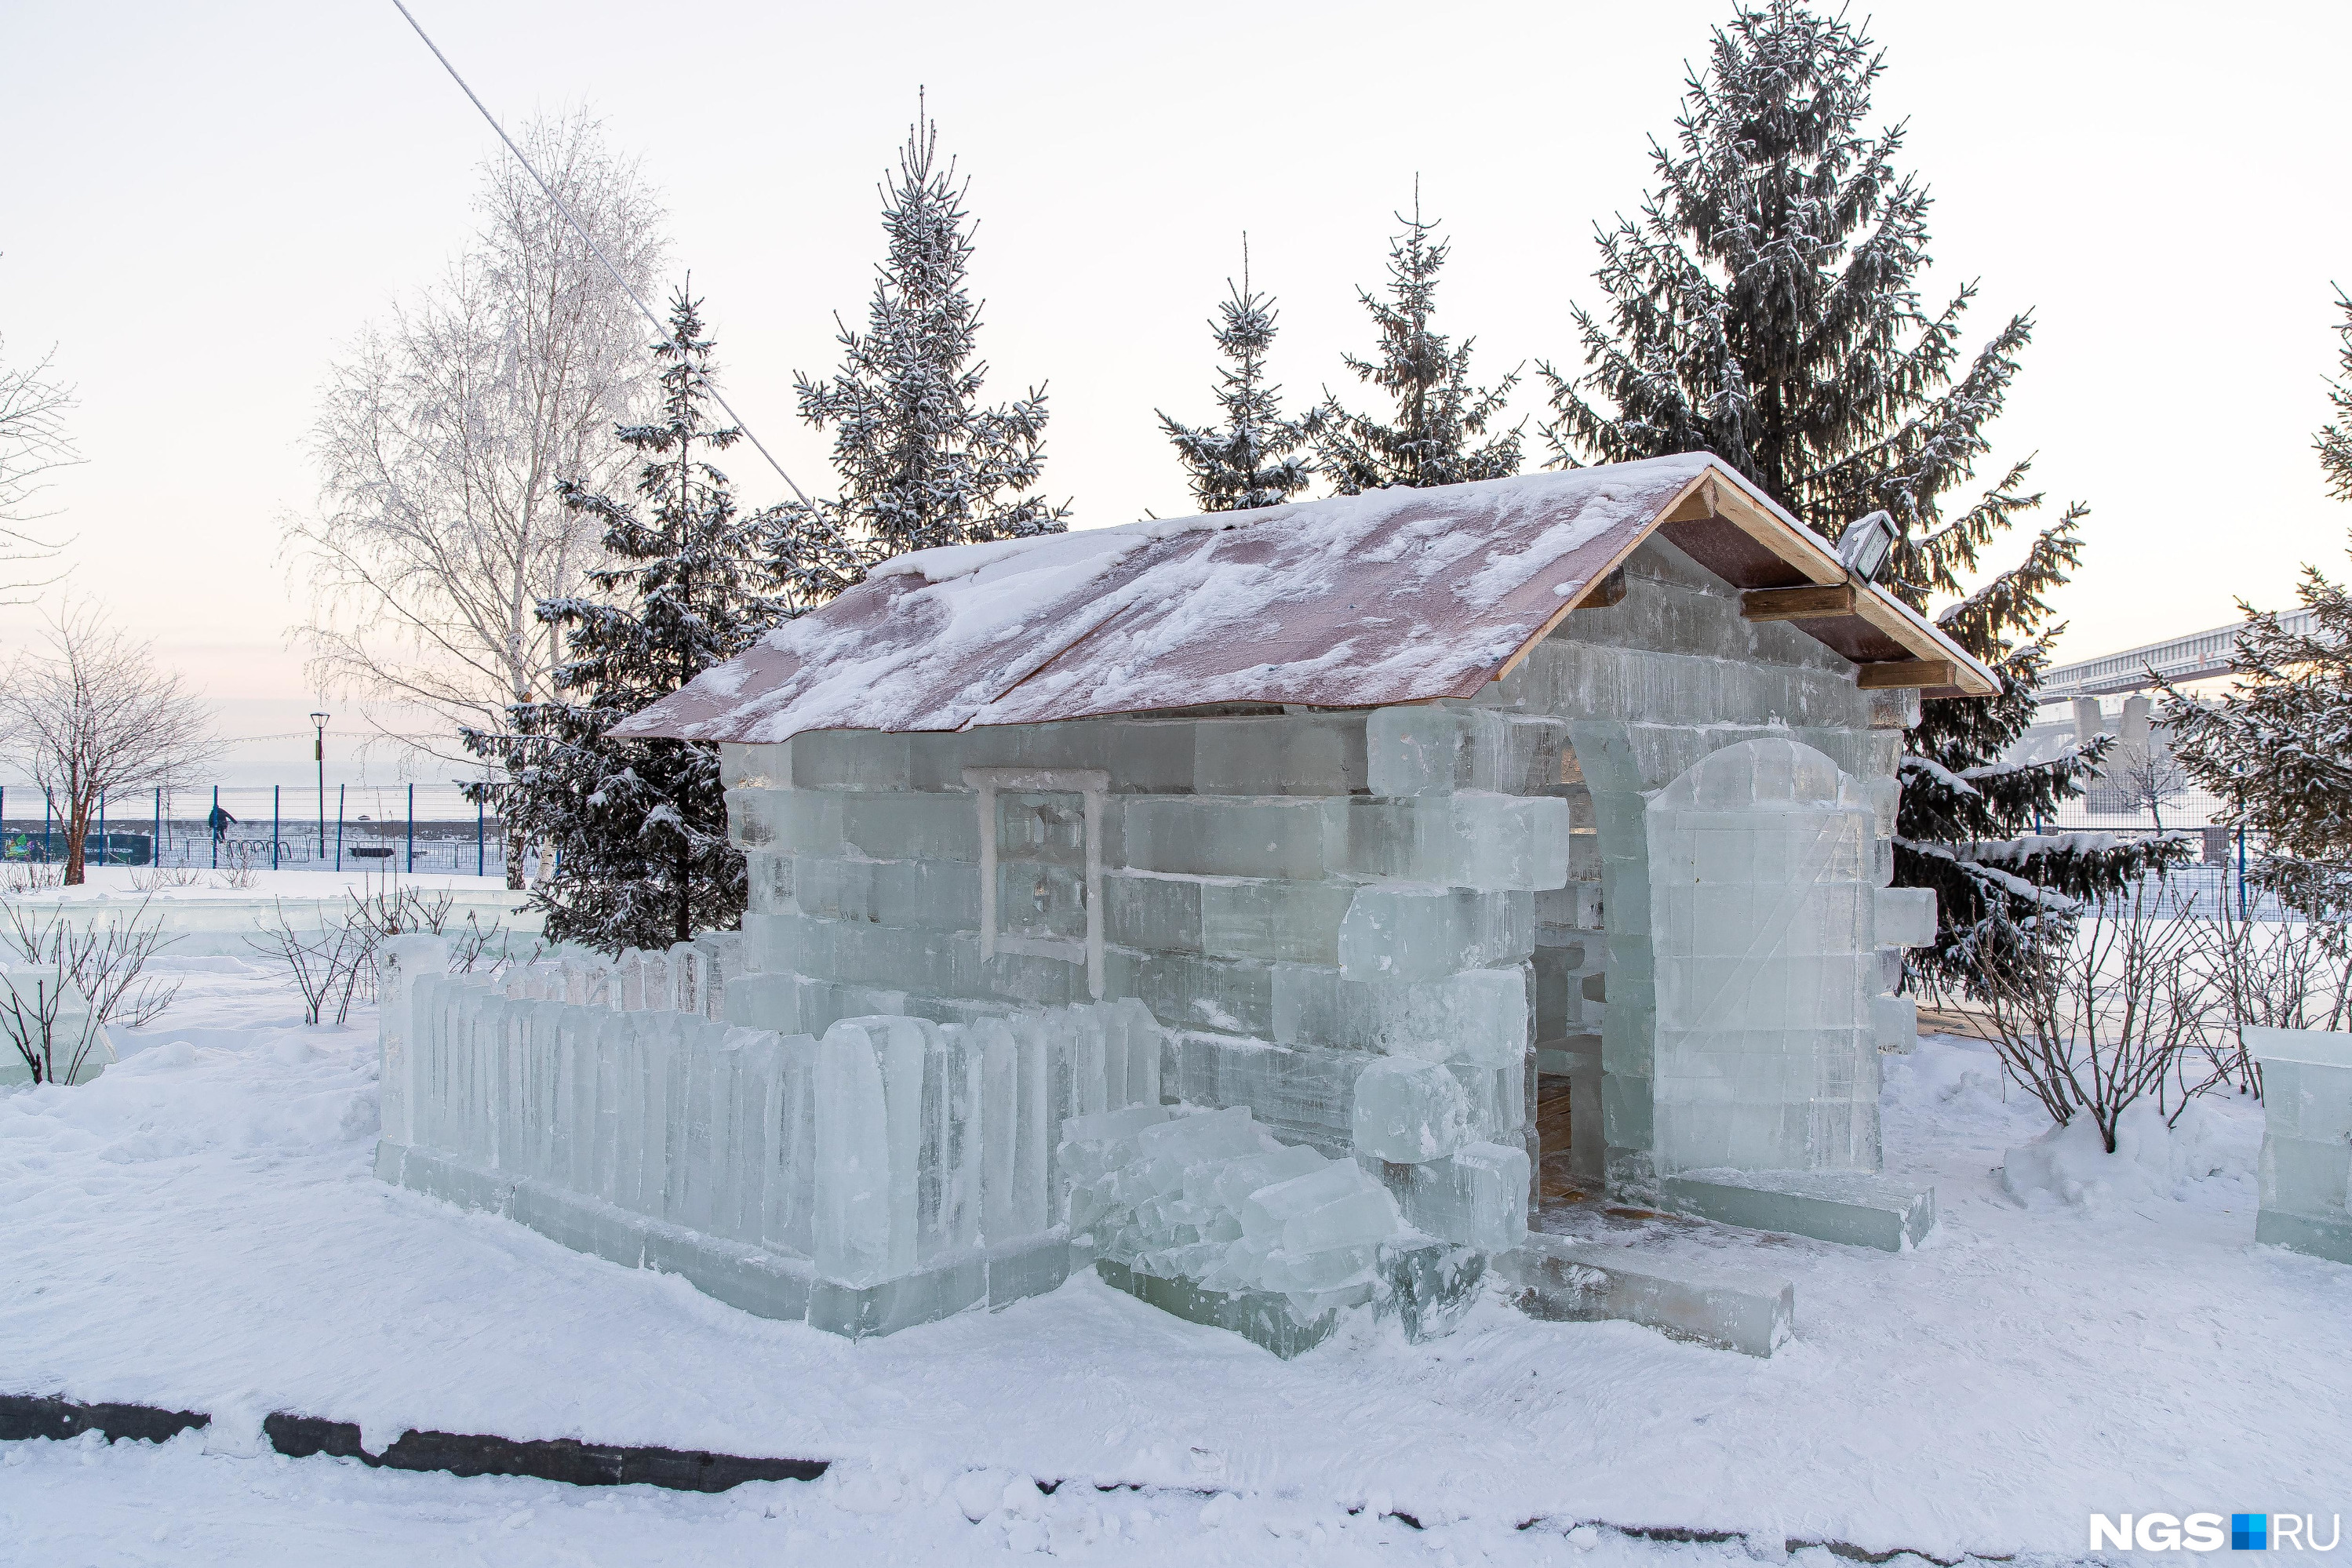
(1815,602)
(1893,674)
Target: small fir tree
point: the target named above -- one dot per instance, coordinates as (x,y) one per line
(1765,308)
(639,827)
(1434,436)
(921,461)
(1246,462)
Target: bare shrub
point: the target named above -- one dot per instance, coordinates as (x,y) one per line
(336,967)
(65,982)
(2092,1025)
(31,876)
(326,966)
(156,878)
(236,870)
(2295,973)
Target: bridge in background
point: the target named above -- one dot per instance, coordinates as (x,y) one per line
(2197,656)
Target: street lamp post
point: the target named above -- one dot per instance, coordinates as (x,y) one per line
(319,754)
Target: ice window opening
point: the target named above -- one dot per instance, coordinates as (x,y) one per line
(1041,863)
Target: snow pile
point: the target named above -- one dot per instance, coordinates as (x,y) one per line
(182,1098)
(1213,1197)
(2070,1164)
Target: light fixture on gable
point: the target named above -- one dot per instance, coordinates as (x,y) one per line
(1865,546)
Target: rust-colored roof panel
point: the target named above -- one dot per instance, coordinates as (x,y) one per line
(1396,596)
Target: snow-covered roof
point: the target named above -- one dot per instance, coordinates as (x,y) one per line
(1396,596)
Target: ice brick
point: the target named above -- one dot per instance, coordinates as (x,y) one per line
(1480,1015)
(1207,836)
(1895,1021)
(1854,1207)
(1411,933)
(1430,749)
(1907,917)
(1480,841)
(1408,1111)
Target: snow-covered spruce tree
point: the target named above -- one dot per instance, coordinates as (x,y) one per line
(639,827)
(921,461)
(1246,462)
(1439,418)
(2277,748)
(1765,308)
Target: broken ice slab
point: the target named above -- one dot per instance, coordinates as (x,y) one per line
(1339,1205)
(1568,1281)
(1480,1015)
(1168,1151)
(1229,1185)
(1477,1196)
(1857,1208)
(1408,933)
(1427,1285)
(1263,1317)
(1907,917)
(1408,1111)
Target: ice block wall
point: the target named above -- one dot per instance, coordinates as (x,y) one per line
(1762,931)
(1297,897)
(1648,687)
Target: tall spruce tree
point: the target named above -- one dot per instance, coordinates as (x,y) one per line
(1246,462)
(1432,437)
(639,827)
(1765,308)
(921,461)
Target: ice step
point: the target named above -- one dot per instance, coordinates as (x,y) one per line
(1561,1281)
(1855,1208)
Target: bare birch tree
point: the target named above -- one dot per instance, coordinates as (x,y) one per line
(445,430)
(34,444)
(93,715)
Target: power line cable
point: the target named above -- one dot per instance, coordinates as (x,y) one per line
(581,229)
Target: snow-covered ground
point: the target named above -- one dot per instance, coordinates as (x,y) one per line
(199,1229)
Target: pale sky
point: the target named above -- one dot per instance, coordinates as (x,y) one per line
(202,203)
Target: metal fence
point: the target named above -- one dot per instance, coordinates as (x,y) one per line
(423,828)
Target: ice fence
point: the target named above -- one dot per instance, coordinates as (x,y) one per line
(895,1171)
